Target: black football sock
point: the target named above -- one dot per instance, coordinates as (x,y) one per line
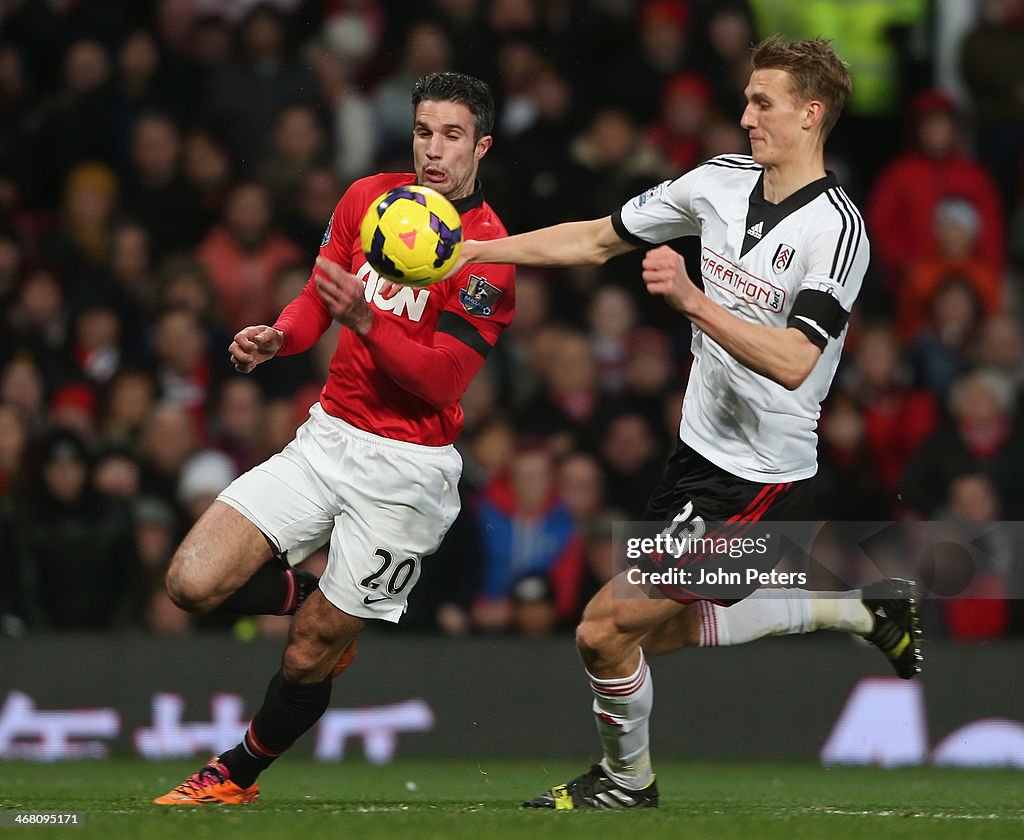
(289,710)
(274,589)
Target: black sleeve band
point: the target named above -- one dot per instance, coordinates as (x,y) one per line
(624,234)
(822,309)
(451,324)
(815,336)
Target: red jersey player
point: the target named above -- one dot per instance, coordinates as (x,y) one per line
(373,469)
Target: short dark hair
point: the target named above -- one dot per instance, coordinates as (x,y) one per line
(817,73)
(458,87)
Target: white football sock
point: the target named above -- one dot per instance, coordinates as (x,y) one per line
(622,709)
(781,612)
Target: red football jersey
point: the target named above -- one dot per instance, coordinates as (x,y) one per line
(473,306)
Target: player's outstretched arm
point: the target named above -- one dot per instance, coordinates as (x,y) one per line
(573,243)
(783,354)
(254,345)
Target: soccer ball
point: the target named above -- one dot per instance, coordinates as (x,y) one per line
(411,235)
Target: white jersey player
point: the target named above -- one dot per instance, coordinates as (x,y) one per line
(783,255)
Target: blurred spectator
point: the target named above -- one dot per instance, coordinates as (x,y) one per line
(611,315)
(635,79)
(236,427)
(526,529)
(184,368)
(14,436)
(517,379)
(22,386)
(581,484)
(37,323)
(978,434)
(157,533)
(244,95)
(632,461)
(73,547)
(722,50)
(992,66)
(940,351)
(901,209)
(81,241)
(488,452)
(10,264)
(648,373)
(983,610)
(130,288)
(677,134)
(156,193)
(184,284)
(116,472)
(308,219)
(599,562)
(288,374)
(545,189)
(75,124)
(242,255)
(207,169)
(1000,354)
(298,144)
(897,416)
(203,476)
(354,30)
(721,136)
(139,89)
(352,118)
(130,398)
(168,438)
(518,64)
(614,164)
(73,407)
(956,229)
(571,405)
(847,486)
(426,50)
(96,343)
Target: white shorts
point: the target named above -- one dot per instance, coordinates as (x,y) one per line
(384,505)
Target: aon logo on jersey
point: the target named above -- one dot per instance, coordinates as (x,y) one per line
(408,303)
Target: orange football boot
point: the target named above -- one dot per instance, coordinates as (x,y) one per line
(210,786)
(344,660)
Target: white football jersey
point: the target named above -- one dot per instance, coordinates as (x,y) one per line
(799,263)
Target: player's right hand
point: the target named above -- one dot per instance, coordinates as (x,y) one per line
(253,345)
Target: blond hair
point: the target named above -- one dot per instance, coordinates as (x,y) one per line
(817,73)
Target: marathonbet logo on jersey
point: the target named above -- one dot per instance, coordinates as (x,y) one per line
(479,296)
(729,277)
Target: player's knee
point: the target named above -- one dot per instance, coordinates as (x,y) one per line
(595,639)
(186,591)
(303,660)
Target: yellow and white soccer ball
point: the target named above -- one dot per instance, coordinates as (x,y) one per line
(411,235)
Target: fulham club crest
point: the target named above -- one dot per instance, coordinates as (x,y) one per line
(783,257)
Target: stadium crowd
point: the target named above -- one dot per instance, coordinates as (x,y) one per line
(167,168)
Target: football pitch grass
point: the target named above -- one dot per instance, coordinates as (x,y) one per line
(479,800)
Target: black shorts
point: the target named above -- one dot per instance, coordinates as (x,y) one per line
(719,496)
(691,487)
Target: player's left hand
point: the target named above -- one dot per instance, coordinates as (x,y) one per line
(343,294)
(664,274)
